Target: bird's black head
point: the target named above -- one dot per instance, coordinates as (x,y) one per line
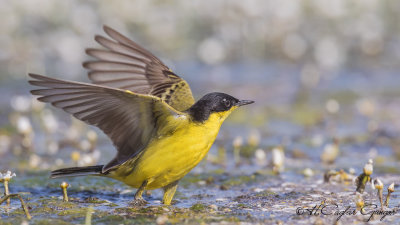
(214,102)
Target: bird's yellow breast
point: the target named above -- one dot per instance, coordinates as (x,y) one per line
(169,158)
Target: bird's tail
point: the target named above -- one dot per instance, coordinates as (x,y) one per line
(77,171)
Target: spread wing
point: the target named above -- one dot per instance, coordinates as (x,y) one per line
(125,65)
(129,119)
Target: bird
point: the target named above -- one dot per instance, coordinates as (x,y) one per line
(149,113)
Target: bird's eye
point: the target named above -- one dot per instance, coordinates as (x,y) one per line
(226,103)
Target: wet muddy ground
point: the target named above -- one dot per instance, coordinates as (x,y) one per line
(212,196)
(236,182)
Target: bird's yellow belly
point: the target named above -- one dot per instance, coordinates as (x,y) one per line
(167,159)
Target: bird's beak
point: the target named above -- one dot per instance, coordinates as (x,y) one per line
(244,102)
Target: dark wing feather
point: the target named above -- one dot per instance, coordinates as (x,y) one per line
(129,119)
(125,65)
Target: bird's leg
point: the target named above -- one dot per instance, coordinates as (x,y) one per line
(138,195)
(139,192)
(169,192)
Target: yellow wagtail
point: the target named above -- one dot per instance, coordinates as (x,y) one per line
(147,111)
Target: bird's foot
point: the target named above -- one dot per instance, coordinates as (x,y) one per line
(138,202)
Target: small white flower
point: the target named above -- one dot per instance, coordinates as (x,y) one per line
(308,172)
(254,138)
(237,142)
(391,187)
(359,200)
(21,103)
(91,136)
(368,168)
(7,176)
(331,152)
(278,159)
(260,154)
(24,125)
(378,184)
